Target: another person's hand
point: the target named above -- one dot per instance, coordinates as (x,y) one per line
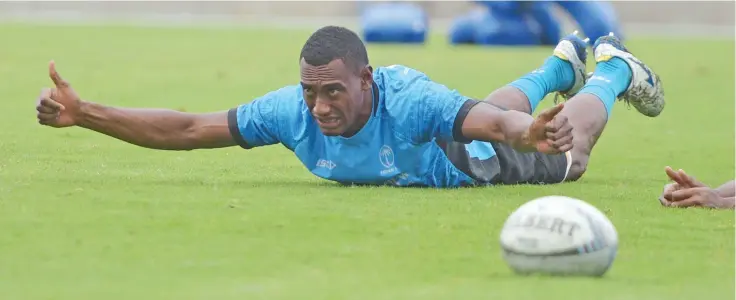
(551,133)
(686,191)
(681,180)
(698,197)
(58,107)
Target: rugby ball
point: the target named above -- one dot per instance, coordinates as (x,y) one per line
(557,235)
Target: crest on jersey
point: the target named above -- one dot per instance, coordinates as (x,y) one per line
(386,156)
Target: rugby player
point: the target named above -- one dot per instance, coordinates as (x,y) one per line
(350,123)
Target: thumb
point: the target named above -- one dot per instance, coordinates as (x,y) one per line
(550,114)
(55,77)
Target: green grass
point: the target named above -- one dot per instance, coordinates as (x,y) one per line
(85,216)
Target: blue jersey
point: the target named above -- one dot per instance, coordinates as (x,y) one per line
(413,137)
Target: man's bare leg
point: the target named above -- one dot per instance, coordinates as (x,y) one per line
(563,72)
(617,74)
(510,98)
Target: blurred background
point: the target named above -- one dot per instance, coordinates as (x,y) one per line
(694,18)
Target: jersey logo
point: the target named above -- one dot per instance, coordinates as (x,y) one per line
(386,156)
(327,164)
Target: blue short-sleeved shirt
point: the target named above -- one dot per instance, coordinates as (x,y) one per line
(404,143)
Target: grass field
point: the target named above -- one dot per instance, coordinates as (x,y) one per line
(85,216)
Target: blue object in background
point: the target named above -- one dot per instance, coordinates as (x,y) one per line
(510,23)
(530,22)
(595,18)
(462,30)
(510,29)
(548,27)
(394,23)
(502,7)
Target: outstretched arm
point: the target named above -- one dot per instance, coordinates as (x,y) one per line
(158,128)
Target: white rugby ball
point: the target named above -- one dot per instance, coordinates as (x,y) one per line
(557,235)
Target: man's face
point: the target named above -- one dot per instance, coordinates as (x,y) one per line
(334,95)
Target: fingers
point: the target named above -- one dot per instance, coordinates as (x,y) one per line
(666,197)
(561,145)
(684,197)
(549,114)
(559,134)
(700,196)
(664,201)
(47,115)
(46,103)
(675,176)
(48,109)
(681,195)
(55,77)
(566,147)
(689,180)
(669,188)
(558,128)
(690,202)
(561,142)
(670,173)
(47,119)
(557,131)
(683,178)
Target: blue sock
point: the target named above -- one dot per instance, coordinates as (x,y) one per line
(554,75)
(610,79)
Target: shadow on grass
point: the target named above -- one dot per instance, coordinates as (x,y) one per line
(607,278)
(306,182)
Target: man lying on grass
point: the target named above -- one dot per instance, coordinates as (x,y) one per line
(350,123)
